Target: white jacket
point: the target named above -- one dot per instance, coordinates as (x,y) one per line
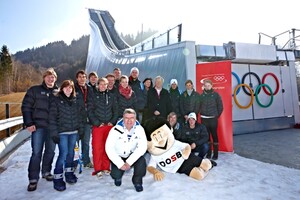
(117,145)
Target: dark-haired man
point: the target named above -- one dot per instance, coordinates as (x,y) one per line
(82,89)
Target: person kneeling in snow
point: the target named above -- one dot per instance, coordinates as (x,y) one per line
(125,146)
(172,155)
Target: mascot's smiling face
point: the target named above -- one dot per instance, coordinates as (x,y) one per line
(162,139)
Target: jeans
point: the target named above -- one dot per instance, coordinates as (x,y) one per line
(66,152)
(85,144)
(202,150)
(39,138)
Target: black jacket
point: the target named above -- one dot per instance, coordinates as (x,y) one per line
(175,101)
(160,103)
(211,104)
(124,103)
(65,115)
(93,87)
(188,103)
(114,90)
(102,108)
(36,105)
(197,135)
(136,86)
(82,99)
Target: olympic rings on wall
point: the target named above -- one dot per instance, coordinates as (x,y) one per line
(250,84)
(256,96)
(251,94)
(277,83)
(238,80)
(248,89)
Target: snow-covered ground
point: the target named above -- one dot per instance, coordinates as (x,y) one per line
(235,177)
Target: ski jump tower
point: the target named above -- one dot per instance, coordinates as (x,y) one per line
(263,77)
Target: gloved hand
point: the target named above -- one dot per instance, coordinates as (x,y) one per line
(56,139)
(81,136)
(81,133)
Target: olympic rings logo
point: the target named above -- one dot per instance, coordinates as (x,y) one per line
(249,91)
(219,78)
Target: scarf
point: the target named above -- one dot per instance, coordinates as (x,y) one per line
(84,92)
(126,92)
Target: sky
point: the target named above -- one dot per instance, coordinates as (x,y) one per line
(235,177)
(33,23)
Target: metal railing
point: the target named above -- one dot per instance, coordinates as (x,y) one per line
(9,122)
(171,36)
(291,43)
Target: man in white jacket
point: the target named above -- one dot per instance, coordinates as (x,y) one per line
(125,146)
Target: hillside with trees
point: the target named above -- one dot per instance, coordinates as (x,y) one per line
(65,59)
(25,68)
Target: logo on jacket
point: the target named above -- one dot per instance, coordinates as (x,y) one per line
(173,158)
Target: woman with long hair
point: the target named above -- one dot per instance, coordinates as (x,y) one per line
(65,121)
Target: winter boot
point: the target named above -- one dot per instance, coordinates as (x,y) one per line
(70,176)
(208,155)
(32,186)
(138,187)
(47,176)
(58,182)
(216,151)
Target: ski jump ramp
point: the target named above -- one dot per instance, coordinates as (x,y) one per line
(166,55)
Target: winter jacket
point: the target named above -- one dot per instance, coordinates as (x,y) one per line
(197,135)
(175,101)
(160,103)
(138,87)
(188,103)
(176,130)
(93,87)
(145,96)
(124,103)
(211,104)
(36,105)
(65,115)
(102,108)
(145,111)
(114,90)
(82,99)
(118,146)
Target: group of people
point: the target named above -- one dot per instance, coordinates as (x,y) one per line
(202,137)
(111,109)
